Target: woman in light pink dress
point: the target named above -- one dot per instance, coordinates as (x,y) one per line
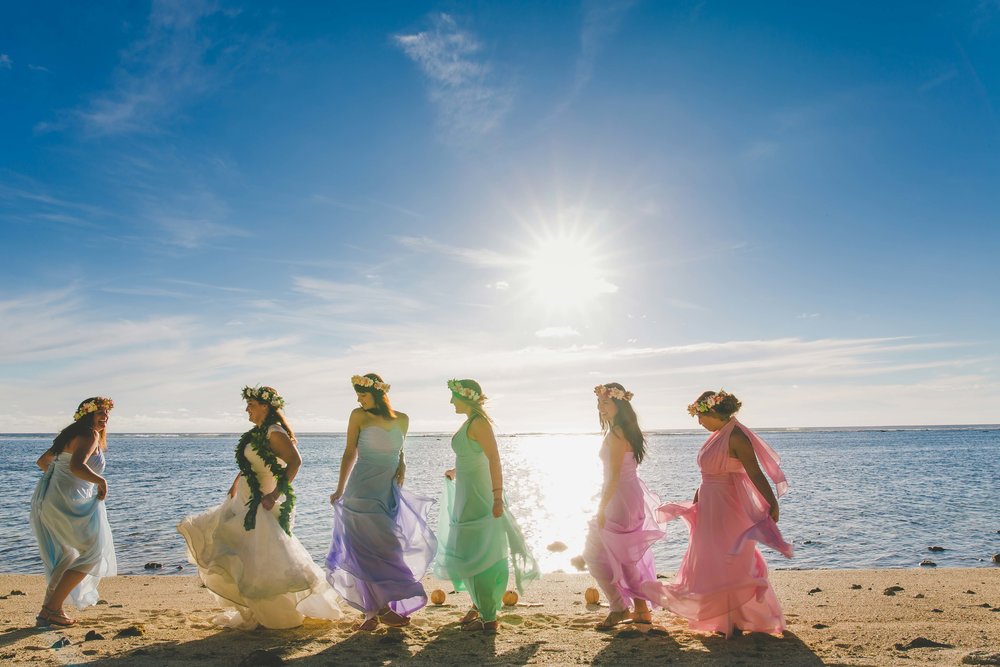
(722,583)
(617,552)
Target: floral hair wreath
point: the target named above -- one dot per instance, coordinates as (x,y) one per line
(99,403)
(465,392)
(709,403)
(268,395)
(368,383)
(613,392)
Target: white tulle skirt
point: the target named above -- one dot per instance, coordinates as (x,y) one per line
(264,575)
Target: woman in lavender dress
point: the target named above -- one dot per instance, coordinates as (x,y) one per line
(618,544)
(381,544)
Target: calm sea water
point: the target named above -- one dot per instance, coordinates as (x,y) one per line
(858,499)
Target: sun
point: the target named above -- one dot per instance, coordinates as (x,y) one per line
(564,270)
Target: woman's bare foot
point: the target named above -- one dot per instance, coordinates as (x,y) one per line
(368,626)
(475,625)
(643,616)
(491,627)
(471,615)
(55,617)
(392,619)
(612,619)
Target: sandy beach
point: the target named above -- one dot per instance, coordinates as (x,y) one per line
(835,617)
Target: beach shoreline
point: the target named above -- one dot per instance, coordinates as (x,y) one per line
(834,617)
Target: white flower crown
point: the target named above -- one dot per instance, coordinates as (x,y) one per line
(707,404)
(268,395)
(368,383)
(99,403)
(465,392)
(613,392)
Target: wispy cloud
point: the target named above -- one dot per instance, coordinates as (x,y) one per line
(463,86)
(352,298)
(5,61)
(474,256)
(32,203)
(557,332)
(39,68)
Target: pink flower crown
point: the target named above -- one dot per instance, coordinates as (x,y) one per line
(99,403)
(707,405)
(613,392)
(368,383)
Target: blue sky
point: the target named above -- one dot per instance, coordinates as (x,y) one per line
(798,204)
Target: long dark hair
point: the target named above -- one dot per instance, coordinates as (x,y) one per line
(383,408)
(82,427)
(626,420)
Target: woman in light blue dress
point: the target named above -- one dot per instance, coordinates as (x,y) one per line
(381,544)
(68,515)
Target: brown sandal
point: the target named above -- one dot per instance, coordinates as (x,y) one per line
(612,619)
(56,618)
(470,616)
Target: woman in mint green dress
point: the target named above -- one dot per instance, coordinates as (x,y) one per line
(478,539)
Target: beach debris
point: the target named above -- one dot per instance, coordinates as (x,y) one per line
(262,658)
(937,611)
(927,562)
(437,596)
(93,635)
(102,602)
(996,559)
(592,595)
(919,596)
(816,590)
(922,642)
(115,606)
(510,598)
(152,566)
(892,590)
(557,546)
(981,658)
(134,630)
(16,592)
(970,592)
(820,626)
(856,587)
(662,576)
(986,605)
(578,563)
(62,641)
(935,548)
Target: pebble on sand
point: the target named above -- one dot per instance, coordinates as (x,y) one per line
(922,642)
(892,590)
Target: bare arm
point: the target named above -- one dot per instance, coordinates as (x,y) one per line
(481,431)
(740,448)
(232,488)
(45,460)
(350,453)
(78,464)
(284,449)
(618,448)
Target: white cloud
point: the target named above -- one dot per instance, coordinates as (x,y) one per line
(462,86)
(476,256)
(557,332)
(5,61)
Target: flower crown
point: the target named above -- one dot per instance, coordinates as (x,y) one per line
(99,403)
(268,395)
(613,392)
(709,403)
(465,392)
(368,383)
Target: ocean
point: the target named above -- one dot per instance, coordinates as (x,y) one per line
(859,498)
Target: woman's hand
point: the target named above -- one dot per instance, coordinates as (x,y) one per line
(450,474)
(774,512)
(335,496)
(102,489)
(497,508)
(268,499)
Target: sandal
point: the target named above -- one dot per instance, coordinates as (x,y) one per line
(642,617)
(368,625)
(475,625)
(612,619)
(42,619)
(470,616)
(56,618)
(491,627)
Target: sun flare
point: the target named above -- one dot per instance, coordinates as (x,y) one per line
(564,270)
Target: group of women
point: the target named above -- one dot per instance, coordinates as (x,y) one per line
(382,545)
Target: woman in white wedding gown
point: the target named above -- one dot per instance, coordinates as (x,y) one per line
(244,548)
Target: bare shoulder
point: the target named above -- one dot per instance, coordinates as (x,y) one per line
(739,443)
(404,421)
(480,427)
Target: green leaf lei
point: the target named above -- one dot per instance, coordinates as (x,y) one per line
(257,439)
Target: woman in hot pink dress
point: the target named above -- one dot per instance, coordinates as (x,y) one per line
(722,583)
(617,550)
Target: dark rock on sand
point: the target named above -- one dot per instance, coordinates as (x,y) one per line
(93,635)
(62,641)
(856,587)
(819,626)
(981,658)
(922,642)
(892,590)
(102,602)
(816,590)
(17,592)
(152,566)
(970,592)
(262,658)
(927,562)
(937,611)
(919,596)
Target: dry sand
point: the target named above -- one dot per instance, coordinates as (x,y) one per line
(835,617)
